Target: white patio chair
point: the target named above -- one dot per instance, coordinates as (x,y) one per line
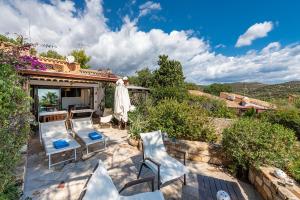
(52,131)
(157,159)
(106,120)
(82,127)
(101,187)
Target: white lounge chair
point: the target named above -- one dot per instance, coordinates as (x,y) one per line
(52,131)
(82,127)
(100,187)
(157,159)
(106,120)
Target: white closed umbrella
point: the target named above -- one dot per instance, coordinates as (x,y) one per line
(122,102)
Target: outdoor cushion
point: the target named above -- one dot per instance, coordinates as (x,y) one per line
(100,186)
(82,124)
(154,148)
(95,135)
(61,143)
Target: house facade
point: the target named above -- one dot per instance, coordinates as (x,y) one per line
(64,85)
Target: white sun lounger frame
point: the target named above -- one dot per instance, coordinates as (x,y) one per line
(83,134)
(48,146)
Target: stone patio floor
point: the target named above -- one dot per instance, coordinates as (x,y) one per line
(122,161)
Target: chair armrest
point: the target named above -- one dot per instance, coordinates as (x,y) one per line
(139,181)
(181,152)
(154,162)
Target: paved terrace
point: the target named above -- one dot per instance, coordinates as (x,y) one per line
(66,181)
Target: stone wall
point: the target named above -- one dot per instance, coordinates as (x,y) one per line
(270,187)
(199,151)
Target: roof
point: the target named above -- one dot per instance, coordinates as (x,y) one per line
(81,76)
(133,87)
(236,104)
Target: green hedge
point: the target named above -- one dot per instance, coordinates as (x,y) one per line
(181,120)
(288,117)
(252,142)
(215,107)
(14,123)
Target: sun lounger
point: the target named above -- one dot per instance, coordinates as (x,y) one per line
(101,187)
(53,131)
(157,159)
(82,127)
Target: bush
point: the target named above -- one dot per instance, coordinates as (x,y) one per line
(252,142)
(14,122)
(160,93)
(214,107)
(293,167)
(289,117)
(180,120)
(137,124)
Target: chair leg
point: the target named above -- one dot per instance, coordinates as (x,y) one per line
(184,179)
(140,171)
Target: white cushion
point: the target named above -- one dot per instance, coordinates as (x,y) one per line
(154,148)
(153,144)
(82,124)
(100,186)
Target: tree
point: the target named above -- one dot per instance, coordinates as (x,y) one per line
(81,58)
(4,38)
(144,78)
(52,54)
(216,88)
(49,99)
(168,80)
(169,73)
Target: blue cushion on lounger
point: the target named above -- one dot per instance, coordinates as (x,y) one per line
(58,144)
(95,135)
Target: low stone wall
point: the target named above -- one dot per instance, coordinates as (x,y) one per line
(196,151)
(199,151)
(270,187)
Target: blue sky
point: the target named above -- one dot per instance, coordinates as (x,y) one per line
(215,40)
(218,21)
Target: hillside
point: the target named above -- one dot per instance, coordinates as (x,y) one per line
(241,88)
(275,91)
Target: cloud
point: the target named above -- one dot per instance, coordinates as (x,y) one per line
(148,7)
(129,49)
(218,46)
(258,30)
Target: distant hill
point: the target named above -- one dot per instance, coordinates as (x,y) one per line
(244,87)
(266,91)
(276,91)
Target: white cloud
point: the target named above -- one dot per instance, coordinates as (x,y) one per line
(148,7)
(129,49)
(258,30)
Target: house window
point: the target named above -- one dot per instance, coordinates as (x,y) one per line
(48,99)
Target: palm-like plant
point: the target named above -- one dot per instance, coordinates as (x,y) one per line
(50,98)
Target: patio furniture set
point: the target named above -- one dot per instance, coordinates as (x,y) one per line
(57,138)
(99,185)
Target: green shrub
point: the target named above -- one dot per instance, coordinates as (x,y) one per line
(181,120)
(293,166)
(215,107)
(14,121)
(160,93)
(252,142)
(289,117)
(109,96)
(137,124)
